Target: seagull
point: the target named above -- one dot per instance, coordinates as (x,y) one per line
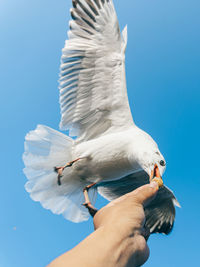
(104,151)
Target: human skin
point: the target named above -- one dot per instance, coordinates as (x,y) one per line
(119,239)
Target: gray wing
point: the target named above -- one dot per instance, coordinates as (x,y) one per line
(160,213)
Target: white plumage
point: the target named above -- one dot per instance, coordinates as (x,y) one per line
(93,94)
(114,152)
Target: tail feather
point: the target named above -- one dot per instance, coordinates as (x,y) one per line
(46,148)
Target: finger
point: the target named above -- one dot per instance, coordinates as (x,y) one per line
(145,194)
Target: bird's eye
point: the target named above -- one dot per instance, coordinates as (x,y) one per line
(162,163)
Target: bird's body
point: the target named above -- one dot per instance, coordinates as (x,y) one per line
(110,150)
(104,158)
(112,156)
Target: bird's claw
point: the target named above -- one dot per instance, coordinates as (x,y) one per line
(90,208)
(59,180)
(59,170)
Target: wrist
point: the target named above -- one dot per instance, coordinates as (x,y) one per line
(126,249)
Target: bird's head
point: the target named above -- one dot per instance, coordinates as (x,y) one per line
(147,154)
(153,163)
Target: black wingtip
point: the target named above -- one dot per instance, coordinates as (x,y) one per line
(166,229)
(73,14)
(160,216)
(97,3)
(74,3)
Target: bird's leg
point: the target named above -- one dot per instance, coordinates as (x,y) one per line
(60,170)
(87,203)
(156,177)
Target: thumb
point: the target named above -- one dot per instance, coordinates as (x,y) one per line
(145,194)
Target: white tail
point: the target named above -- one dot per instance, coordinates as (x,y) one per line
(45,149)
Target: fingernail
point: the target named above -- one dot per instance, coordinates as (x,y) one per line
(154,185)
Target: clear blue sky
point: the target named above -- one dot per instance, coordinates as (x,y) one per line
(163,77)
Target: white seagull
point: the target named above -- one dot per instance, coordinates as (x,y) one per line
(110,154)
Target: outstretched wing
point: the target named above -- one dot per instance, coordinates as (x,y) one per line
(93,95)
(160,213)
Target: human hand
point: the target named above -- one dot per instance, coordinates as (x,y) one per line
(125,218)
(120,237)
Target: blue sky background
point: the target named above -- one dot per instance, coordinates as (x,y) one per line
(163,77)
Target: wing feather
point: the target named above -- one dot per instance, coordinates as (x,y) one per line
(93,95)
(160,213)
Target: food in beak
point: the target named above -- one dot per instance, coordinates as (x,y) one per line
(156,177)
